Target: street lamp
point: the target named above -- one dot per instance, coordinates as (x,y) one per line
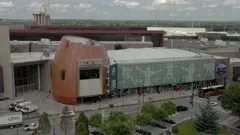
(122,98)
(143,92)
(153,91)
(99,98)
(54,126)
(17,130)
(192,97)
(74,103)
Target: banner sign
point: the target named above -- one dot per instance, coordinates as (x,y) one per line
(112,78)
(90,62)
(221,68)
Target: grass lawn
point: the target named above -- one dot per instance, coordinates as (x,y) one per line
(187,129)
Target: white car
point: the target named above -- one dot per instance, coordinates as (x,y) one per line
(214,103)
(31,126)
(70,113)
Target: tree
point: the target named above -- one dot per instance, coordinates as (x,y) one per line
(120,128)
(230,98)
(44,124)
(148,108)
(143,119)
(81,129)
(118,124)
(95,120)
(169,107)
(207,119)
(66,123)
(82,118)
(159,114)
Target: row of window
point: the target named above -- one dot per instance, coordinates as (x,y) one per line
(84,74)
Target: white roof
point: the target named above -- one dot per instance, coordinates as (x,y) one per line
(150,54)
(29,57)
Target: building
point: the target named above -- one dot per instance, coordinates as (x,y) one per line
(79,70)
(6,69)
(176,31)
(152,67)
(99,33)
(82,68)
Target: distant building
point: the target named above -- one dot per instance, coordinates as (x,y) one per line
(99,33)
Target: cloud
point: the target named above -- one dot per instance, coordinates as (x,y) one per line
(173,14)
(210,6)
(231,2)
(6,4)
(35,6)
(235,6)
(191,8)
(149,8)
(60,7)
(84,6)
(128,4)
(172,2)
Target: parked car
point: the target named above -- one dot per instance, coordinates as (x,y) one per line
(29,109)
(213,103)
(69,114)
(31,126)
(20,105)
(15,103)
(96,133)
(181,108)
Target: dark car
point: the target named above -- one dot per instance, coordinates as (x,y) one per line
(97,133)
(181,108)
(219,98)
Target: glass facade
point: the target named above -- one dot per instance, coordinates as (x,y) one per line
(26,78)
(165,72)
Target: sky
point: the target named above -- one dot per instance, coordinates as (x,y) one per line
(223,10)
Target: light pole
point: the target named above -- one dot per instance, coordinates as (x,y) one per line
(192,100)
(99,98)
(122,100)
(153,91)
(74,103)
(54,126)
(143,92)
(17,130)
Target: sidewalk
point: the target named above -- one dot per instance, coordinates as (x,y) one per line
(48,105)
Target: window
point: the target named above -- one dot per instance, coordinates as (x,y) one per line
(63,74)
(89,74)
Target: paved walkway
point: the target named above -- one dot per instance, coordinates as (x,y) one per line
(47,104)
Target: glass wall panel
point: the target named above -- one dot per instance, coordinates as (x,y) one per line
(165,72)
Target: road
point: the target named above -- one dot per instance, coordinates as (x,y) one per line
(129,110)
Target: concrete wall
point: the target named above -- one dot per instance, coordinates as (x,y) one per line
(5,62)
(45,76)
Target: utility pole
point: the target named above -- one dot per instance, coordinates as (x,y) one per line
(153,93)
(54,126)
(99,98)
(122,99)
(17,130)
(143,92)
(191,100)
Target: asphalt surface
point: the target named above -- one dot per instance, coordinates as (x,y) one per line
(129,110)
